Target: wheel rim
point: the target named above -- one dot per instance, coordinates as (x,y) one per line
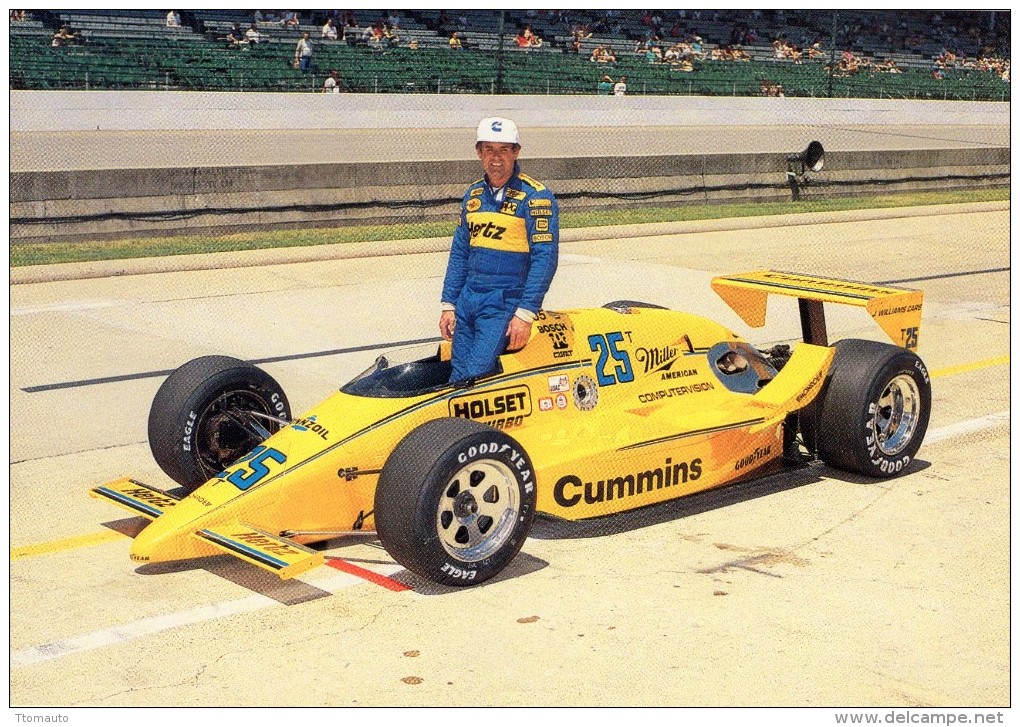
(226,430)
(478,510)
(897,412)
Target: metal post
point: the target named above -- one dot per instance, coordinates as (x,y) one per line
(499,54)
(832,53)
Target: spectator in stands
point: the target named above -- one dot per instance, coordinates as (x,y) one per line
(605,87)
(533,40)
(252,35)
(303,53)
(62,37)
(17,16)
(173,20)
(620,89)
(329,31)
(390,37)
(290,19)
(235,36)
(378,34)
(455,41)
(333,83)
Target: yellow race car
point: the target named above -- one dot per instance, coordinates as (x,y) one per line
(604,410)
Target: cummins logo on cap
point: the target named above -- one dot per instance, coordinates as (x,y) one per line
(497,126)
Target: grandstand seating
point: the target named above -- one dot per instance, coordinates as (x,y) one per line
(135,49)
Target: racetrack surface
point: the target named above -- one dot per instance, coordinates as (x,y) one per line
(812,588)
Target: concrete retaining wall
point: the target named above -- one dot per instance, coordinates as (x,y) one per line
(124,202)
(75,204)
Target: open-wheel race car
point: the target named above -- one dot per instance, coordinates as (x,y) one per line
(604,410)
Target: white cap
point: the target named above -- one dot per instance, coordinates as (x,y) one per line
(500,131)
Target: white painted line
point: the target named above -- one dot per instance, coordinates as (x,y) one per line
(155,624)
(966,427)
(69,306)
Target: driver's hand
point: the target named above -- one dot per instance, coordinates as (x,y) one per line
(519,331)
(447,321)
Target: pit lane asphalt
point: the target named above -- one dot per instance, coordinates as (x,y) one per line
(814,588)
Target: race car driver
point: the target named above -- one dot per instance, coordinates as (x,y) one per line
(503,256)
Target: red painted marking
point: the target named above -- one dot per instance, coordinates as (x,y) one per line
(355,570)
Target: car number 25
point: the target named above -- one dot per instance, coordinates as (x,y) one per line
(605,346)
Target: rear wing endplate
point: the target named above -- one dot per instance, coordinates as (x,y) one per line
(896,310)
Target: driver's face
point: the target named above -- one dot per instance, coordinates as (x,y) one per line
(498,161)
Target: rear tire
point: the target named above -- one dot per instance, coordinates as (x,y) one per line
(201,417)
(872,414)
(455,501)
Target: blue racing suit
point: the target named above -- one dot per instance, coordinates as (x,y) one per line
(502,261)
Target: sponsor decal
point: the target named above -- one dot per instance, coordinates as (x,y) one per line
(539,203)
(559,383)
(810,386)
(473,205)
(541,212)
(542,237)
(508,208)
(269,545)
(900,309)
(147,495)
(561,401)
(586,394)
(570,490)
(310,424)
(909,336)
(477,191)
(505,451)
(681,374)
(675,391)
(516,194)
(542,225)
(454,571)
(502,408)
(533,182)
(494,232)
(545,403)
(557,333)
(656,358)
(924,372)
(189,427)
(759,453)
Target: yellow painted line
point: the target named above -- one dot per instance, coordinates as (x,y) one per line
(109,536)
(58,546)
(973,366)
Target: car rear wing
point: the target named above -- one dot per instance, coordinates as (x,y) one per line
(896,310)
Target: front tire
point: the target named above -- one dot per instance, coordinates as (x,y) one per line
(455,501)
(209,413)
(872,414)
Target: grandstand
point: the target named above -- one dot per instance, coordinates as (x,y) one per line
(936,55)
